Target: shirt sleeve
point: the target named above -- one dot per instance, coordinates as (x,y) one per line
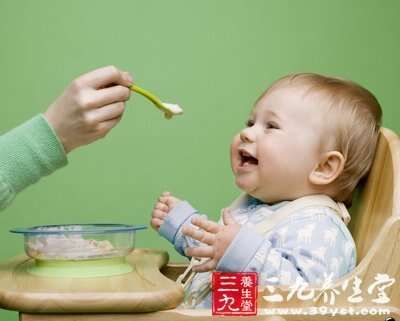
(312,249)
(176,219)
(27,153)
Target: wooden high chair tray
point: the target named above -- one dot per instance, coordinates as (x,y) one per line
(144,289)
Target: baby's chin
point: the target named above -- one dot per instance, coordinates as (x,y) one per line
(245,185)
(251,190)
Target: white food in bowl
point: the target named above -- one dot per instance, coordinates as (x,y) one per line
(69,247)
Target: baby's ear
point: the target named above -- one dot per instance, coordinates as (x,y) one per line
(328,169)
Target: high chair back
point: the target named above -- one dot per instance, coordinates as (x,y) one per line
(378,197)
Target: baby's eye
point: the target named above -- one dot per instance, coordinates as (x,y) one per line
(272,125)
(250,123)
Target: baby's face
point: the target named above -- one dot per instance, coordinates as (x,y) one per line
(273,156)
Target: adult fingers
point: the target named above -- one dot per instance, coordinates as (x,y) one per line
(111,94)
(199,235)
(104,127)
(128,77)
(108,112)
(105,76)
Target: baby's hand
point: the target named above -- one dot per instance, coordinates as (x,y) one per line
(217,237)
(165,203)
(90,107)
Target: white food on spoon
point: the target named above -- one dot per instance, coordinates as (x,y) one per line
(173,108)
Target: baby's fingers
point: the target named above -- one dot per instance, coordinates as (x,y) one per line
(227,217)
(163,199)
(162,207)
(200,251)
(156,223)
(159,214)
(206,225)
(199,235)
(210,265)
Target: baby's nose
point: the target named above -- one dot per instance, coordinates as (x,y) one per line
(246,135)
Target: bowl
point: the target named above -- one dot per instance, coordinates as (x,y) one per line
(60,250)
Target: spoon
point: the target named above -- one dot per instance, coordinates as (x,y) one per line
(168,109)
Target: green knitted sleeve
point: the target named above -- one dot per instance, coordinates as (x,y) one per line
(27,153)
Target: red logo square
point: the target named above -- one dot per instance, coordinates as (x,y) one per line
(234,293)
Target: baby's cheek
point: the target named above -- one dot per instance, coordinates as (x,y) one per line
(235,142)
(234,157)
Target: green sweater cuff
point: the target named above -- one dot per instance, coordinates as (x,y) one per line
(28,152)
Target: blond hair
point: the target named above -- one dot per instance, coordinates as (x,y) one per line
(355,117)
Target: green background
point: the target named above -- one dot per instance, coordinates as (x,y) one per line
(212,57)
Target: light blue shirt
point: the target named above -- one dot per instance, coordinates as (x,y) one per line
(313,244)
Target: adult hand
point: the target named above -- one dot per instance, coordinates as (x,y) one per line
(90,106)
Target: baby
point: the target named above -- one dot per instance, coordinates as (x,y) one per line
(307,143)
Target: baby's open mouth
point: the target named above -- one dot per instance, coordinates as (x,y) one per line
(246,158)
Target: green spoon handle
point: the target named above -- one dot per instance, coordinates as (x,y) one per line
(154,99)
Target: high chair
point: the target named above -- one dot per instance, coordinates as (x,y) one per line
(375,226)
(364,292)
